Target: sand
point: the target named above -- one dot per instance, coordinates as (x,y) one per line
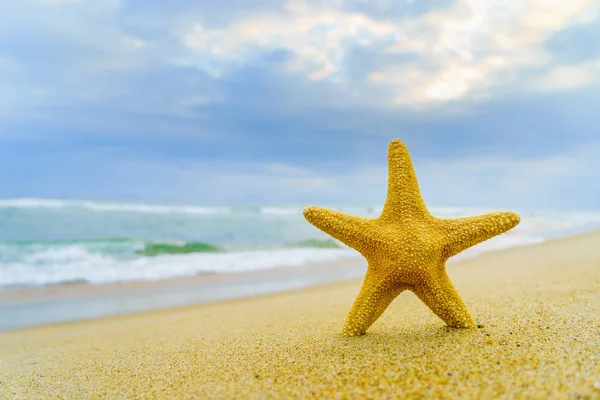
(538,307)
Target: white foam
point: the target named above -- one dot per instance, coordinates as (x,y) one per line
(30,203)
(78,263)
(74,263)
(64,263)
(150,208)
(501,242)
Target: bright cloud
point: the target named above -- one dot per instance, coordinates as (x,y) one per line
(567,77)
(465,50)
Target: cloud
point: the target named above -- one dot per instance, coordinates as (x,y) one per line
(568,77)
(554,181)
(466,50)
(72,51)
(560,181)
(294,101)
(118,57)
(563,181)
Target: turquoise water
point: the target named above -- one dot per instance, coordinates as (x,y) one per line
(55,241)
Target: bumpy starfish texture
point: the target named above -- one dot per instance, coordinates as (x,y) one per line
(407,248)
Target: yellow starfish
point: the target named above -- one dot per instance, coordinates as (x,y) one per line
(406,247)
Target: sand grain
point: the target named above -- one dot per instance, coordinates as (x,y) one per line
(540,338)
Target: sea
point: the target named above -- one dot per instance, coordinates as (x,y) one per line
(52,242)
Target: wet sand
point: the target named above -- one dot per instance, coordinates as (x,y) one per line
(538,308)
(32,306)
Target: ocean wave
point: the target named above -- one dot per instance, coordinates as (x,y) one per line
(501,242)
(154,249)
(156,246)
(50,242)
(98,260)
(317,244)
(30,203)
(77,264)
(90,261)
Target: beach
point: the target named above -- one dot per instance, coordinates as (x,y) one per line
(299,200)
(538,337)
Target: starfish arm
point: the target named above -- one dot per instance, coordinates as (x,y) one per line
(441,297)
(403,196)
(374,297)
(356,232)
(462,233)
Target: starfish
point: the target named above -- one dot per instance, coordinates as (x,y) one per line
(406,247)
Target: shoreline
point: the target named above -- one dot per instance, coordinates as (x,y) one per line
(35,306)
(536,307)
(29,306)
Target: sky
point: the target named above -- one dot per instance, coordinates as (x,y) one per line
(294,102)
